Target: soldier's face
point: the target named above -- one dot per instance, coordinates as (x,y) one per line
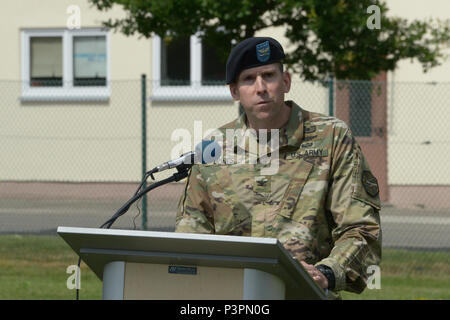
(261,92)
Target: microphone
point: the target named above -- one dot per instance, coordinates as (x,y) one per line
(205,152)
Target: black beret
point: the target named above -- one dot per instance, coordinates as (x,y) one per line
(252,52)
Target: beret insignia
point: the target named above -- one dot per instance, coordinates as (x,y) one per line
(263,51)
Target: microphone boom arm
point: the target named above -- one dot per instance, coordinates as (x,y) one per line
(182,173)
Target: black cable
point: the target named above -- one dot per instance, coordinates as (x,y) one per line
(79,279)
(182,173)
(138,214)
(144,179)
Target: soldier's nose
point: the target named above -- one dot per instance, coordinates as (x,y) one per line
(260,84)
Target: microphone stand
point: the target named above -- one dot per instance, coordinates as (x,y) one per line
(182,173)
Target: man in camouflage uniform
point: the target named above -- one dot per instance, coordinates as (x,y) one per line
(322,203)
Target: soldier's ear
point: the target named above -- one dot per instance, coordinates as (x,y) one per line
(287,81)
(234,92)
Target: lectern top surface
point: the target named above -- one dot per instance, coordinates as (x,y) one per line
(167,242)
(165,235)
(97,247)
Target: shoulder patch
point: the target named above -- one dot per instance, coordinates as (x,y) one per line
(370,183)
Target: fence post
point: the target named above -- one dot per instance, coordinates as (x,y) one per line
(144,146)
(330,96)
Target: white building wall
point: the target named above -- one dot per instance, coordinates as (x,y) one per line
(84,141)
(92,141)
(74,141)
(88,141)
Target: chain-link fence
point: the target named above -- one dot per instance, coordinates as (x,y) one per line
(73,157)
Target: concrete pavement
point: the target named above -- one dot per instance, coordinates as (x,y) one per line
(402,228)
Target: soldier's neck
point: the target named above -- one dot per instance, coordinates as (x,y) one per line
(276,123)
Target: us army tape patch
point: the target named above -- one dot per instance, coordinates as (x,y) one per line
(310,153)
(370,183)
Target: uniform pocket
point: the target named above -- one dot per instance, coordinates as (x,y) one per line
(228,201)
(297,180)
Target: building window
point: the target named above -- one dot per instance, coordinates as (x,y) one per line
(89,61)
(213,67)
(175,61)
(186,69)
(46,62)
(65,64)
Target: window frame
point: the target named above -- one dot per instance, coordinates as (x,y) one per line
(195,91)
(68,92)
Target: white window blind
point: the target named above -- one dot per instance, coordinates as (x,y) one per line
(46,60)
(89,60)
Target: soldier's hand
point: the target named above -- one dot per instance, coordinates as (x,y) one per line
(318,276)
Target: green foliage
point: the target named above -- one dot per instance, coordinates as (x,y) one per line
(326,36)
(333,37)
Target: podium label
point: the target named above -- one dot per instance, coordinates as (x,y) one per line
(182,270)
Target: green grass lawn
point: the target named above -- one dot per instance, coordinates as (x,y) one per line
(34,267)
(407,274)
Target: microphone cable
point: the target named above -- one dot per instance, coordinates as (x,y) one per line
(78,277)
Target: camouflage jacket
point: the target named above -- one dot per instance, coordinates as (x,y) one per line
(322,203)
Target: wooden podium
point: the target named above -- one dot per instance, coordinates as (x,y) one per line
(173,266)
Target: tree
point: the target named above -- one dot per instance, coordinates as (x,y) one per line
(326,36)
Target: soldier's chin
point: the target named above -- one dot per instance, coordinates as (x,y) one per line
(264,115)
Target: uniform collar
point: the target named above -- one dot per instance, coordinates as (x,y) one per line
(290,134)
